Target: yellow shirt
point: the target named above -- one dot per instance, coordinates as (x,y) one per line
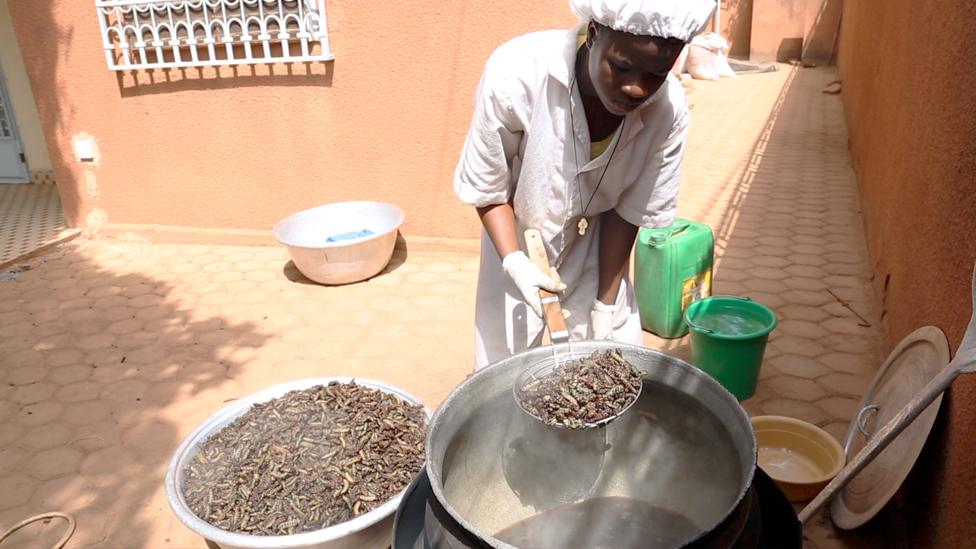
(597,147)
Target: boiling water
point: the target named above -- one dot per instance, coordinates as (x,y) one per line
(729,324)
(601,523)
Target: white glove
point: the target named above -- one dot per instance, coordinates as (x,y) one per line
(601,320)
(529,279)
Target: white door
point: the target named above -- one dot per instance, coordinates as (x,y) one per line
(13,165)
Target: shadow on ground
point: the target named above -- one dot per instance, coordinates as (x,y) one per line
(103,371)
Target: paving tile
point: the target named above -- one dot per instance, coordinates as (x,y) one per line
(798,409)
(798,345)
(808,271)
(124,391)
(32,393)
(805,297)
(55,462)
(89,411)
(26,375)
(68,493)
(803,312)
(799,366)
(801,328)
(104,357)
(59,340)
(796,388)
(104,290)
(10,432)
(850,343)
(62,357)
(95,341)
(765,285)
(95,435)
(110,301)
(39,413)
(851,363)
(148,354)
(773,301)
(837,429)
(12,459)
(839,408)
(22,358)
(850,326)
(17,489)
(49,435)
(105,461)
(849,269)
(846,281)
(79,391)
(846,384)
(154,436)
(802,283)
(105,375)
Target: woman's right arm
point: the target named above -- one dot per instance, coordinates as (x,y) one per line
(499,222)
(483,177)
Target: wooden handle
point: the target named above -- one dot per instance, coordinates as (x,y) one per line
(554,318)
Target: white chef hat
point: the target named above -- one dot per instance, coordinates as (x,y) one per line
(681,19)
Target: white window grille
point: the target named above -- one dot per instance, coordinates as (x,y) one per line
(147,34)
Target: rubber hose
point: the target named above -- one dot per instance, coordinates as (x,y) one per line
(43,516)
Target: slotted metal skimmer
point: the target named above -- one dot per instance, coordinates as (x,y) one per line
(559,339)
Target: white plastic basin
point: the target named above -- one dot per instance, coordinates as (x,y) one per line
(348,258)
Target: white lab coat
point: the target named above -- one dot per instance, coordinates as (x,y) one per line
(519,149)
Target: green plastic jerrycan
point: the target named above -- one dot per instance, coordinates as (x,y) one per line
(673,268)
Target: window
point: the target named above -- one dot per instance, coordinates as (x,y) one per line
(146,34)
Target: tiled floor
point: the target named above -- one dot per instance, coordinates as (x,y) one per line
(782,199)
(30,217)
(113,351)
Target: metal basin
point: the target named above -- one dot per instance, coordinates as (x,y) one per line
(351,258)
(372,529)
(685,449)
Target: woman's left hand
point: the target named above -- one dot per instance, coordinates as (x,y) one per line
(601,320)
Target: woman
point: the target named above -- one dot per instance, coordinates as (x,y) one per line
(580,135)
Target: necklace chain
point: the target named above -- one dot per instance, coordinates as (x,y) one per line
(579,191)
(583,224)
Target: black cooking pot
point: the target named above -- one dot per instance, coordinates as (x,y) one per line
(422,523)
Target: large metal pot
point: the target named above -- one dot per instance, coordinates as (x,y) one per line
(685,453)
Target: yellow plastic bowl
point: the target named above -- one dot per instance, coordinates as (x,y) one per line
(801,457)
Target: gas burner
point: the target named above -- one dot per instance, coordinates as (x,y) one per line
(764,519)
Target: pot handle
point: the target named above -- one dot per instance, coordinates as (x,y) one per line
(861,420)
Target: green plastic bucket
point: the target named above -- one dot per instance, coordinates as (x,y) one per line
(728,339)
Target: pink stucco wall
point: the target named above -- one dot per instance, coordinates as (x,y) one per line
(737,26)
(236,149)
(908,75)
(779,28)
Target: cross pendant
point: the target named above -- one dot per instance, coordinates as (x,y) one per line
(582,225)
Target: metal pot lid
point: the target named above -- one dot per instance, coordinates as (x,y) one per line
(911,365)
